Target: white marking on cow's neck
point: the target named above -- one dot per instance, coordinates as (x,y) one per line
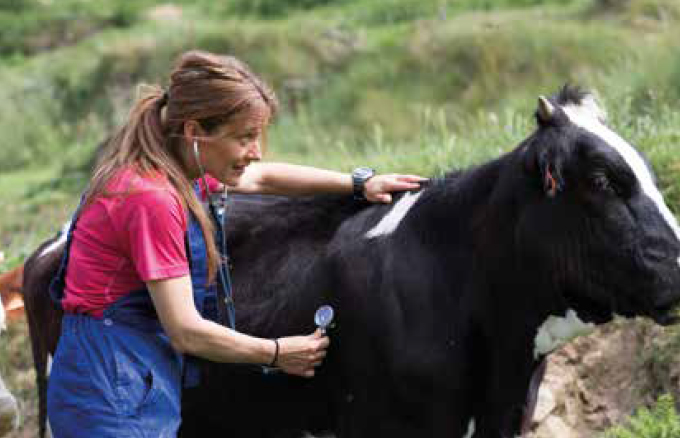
(470,429)
(62,238)
(391,220)
(590,117)
(558,330)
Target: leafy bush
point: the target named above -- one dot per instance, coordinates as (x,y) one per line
(661,421)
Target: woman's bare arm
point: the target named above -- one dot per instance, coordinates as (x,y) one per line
(190,333)
(291,179)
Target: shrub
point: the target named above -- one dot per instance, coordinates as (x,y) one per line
(661,421)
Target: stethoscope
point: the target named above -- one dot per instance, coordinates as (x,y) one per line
(323,317)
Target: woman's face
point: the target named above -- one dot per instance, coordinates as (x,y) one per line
(232,147)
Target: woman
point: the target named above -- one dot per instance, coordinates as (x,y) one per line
(141,284)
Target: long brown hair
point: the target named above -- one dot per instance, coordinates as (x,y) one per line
(207,88)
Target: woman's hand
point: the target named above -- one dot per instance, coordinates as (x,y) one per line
(298,355)
(378,188)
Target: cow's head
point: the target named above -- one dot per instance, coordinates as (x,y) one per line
(597,222)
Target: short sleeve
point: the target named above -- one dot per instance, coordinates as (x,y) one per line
(152,226)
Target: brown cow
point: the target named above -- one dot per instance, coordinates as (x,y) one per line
(10,293)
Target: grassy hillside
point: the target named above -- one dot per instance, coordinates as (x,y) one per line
(403,85)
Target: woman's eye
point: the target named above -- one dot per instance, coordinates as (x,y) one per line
(248,138)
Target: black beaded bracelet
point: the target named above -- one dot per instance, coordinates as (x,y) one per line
(276,353)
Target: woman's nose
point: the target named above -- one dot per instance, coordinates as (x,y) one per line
(254,151)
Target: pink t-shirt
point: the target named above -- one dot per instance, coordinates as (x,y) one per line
(122,241)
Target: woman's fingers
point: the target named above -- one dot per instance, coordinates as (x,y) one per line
(379,187)
(412,178)
(321,341)
(299,355)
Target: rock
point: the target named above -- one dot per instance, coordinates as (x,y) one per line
(545,405)
(554,427)
(596,381)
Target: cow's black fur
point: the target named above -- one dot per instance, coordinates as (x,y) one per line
(436,322)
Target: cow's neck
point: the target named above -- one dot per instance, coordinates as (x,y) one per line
(475,215)
(473,212)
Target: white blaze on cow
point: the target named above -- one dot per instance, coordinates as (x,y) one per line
(590,117)
(391,220)
(558,330)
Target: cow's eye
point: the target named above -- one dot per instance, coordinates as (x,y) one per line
(601,183)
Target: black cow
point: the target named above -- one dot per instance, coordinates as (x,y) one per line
(449,299)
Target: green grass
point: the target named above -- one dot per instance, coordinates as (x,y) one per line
(345,77)
(32,210)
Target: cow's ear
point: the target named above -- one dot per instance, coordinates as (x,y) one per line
(550,183)
(544,164)
(550,168)
(544,153)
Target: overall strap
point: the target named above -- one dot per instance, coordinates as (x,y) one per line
(58,282)
(213,301)
(218,294)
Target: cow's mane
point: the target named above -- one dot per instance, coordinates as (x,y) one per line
(457,203)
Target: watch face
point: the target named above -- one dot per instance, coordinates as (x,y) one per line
(363,172)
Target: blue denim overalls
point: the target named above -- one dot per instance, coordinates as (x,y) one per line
(119,376)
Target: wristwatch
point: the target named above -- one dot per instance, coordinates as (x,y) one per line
(359,177)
